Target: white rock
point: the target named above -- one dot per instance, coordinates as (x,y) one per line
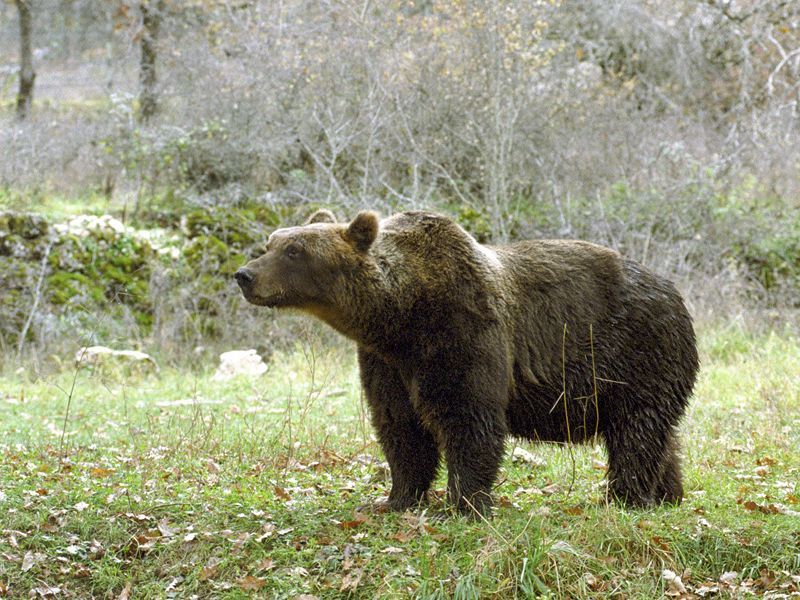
(522,455)
(96,355)
(239,362)
(82,225)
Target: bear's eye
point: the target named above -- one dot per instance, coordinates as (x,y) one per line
(292,251)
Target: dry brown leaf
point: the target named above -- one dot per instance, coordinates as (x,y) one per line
(3,589)
(250,583)
(265,565)
(593,583)
(767,578)
(660,543)
(101,473)
(210,569)
(551,489)
(403,536)
(31,559)
(281,493)
(164,529)
(351,580)
(45,591)
(300,543)
(358,520)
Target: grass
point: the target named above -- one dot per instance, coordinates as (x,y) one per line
(176,485)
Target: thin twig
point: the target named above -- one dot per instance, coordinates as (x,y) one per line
(69,402)
(566,409)
(37,294)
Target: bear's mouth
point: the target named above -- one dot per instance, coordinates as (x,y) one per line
(271,301)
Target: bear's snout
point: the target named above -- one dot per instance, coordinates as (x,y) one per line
(244,277)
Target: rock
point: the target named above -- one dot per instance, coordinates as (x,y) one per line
(239,362)
(84,225)
(101,355)
(522,455)
(26,225)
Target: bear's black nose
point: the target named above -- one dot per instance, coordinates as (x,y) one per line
(244,278)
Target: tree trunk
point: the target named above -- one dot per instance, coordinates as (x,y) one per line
(26,72)
(152,12)
(68,24)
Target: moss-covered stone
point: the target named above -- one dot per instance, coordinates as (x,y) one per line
(26,225)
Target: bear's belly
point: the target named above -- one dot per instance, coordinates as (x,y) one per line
(540,415)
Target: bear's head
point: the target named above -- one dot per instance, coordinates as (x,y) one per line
(304,267)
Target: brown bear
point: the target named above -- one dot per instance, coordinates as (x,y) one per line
(461,345)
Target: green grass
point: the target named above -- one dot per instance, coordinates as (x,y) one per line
(250,487)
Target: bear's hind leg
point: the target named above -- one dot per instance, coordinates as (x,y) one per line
(670,488)
(643,468)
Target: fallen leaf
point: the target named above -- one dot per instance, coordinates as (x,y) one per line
(281,493)
(661,543)
(574,510)
(728,577)
(403,536)
(707,590)
(45,591)
(551,489)
(392,550)
(300,543)
(3,589)
(190,537)
(351,580)
(81,506)
(125,594)
(358,520)
(96,550)
(673,583)
(210,569)
(165,529)
(265,565)
(30,559)
(767,578)
(593,583)
(250,583)
(101,473)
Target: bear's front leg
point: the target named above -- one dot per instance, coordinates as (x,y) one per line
(466,402)
(410,449)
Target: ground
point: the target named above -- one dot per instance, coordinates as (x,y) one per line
(173,485)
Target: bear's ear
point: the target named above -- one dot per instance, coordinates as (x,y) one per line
(321,216)
(362,230)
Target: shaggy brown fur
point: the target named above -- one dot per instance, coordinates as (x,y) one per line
(461,345)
